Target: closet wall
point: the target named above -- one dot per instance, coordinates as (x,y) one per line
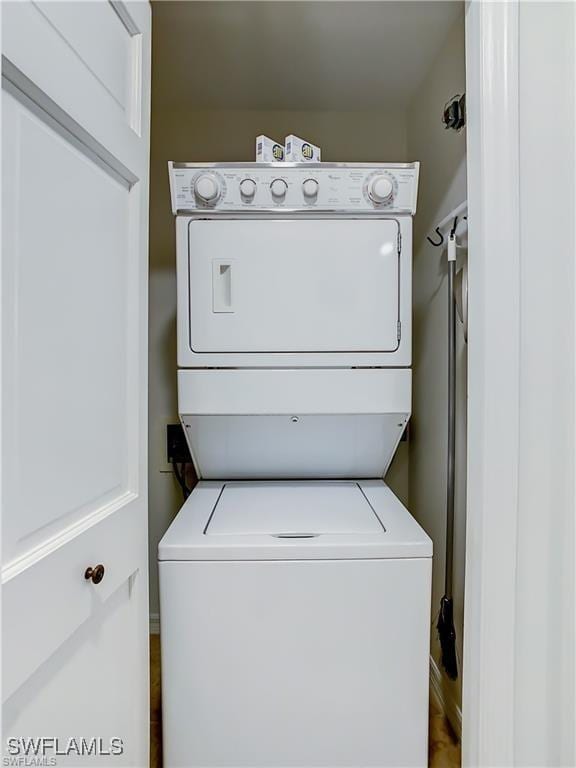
(442,154)
(218,135)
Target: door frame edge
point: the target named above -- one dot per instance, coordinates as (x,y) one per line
(492,86)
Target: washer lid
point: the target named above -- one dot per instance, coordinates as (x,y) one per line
(293,510)
(293,520)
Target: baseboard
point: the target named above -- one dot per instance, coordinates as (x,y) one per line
(443,700)
(154,623)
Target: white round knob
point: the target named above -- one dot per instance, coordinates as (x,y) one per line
(310,188)
(248,188)
(207,188)
(381,189)
(279,188)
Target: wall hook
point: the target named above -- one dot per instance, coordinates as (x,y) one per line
(440,241)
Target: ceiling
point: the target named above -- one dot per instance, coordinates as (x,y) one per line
(276,55)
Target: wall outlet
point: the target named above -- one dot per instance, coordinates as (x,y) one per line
(176,446)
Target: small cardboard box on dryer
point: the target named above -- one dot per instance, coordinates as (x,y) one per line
(268,150)
(298,150)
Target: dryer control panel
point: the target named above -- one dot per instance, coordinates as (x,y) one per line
(300,188)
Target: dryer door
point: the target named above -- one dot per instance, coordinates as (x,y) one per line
(294,286)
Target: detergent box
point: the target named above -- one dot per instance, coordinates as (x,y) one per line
(268,150)
(300,151)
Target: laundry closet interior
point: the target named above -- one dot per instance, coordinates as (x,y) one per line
(368,83)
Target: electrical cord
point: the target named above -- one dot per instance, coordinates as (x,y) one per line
(180,477)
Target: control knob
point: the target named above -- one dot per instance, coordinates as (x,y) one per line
(248,188)
(207,188)
(278,188)
(310,188)
(381,189)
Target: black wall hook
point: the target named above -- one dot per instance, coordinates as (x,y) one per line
(440,241)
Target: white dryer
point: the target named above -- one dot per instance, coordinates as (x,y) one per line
(291,280)
(295,587)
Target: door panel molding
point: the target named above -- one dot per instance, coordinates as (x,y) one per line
(74,369)
(75,37)
(20,564)
(27,93)
(62,76)
(71,357)
(57,597)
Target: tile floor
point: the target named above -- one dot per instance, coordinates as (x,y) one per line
(444,748)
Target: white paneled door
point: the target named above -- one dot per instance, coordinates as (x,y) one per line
(75,145)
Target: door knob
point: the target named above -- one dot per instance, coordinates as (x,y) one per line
(96,573)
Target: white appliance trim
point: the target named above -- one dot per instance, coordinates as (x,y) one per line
(281,391)
(271,420)
(178,172)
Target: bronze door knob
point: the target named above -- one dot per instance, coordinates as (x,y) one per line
(96,573)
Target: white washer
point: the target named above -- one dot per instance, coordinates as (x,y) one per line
(295,627)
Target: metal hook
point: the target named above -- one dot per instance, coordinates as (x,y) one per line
(440,235)
(454,225)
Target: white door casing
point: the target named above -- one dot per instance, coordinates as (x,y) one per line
(493,380)
(75,109)
(519,632)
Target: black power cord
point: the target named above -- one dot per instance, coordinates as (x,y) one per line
(180,477)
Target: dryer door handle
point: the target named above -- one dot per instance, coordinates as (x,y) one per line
(222,286)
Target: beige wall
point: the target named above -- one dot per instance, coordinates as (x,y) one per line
(442,188)
(219,136)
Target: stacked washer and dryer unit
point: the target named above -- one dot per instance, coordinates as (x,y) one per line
(294,585)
